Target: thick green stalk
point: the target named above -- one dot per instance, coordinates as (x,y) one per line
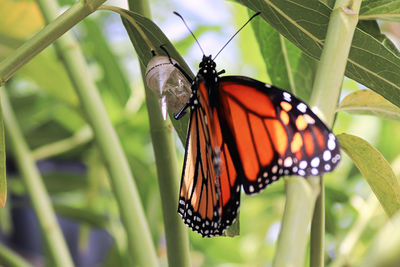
(332,64)
(41,203)
(299,206)
(141,247)
(317,236)
(325,95)
(167,170)
(326,91)
(45,37)
(11,259)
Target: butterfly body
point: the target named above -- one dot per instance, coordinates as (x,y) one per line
(244,133)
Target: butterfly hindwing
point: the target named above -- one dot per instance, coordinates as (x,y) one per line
(275,133)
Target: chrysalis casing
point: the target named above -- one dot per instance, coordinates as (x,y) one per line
(169,84)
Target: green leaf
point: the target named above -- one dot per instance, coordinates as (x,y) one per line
(368,102)
(88,216)
(3,180)
(375,169)
(380,9)
(287,66)
(147,33)
(57,84)
(373,60)
(114,78)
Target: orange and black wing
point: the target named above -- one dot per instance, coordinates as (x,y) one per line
(210,191)
(275,134)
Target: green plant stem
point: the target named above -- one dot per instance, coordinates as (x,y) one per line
(167,172)
(167,169)
(326,91)
(317,236)
(41,203)
(332,64)
(11,259)
(325,95)
(141,247)
(299,206)
(45,37)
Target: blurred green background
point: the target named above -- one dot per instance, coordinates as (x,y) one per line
(55,127)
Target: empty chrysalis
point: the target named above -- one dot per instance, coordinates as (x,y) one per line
(169,84)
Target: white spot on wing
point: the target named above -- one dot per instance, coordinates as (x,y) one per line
(303,164)
(274,169)
(287,96)
(314,171)
(327,167)
(288,162)
(309,119)
(315,162)
(331,144)
(327,155)
(302,107)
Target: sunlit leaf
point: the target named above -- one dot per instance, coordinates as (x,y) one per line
(115,80)
(57,84)
(369,103)
(373,60)
(375,169)
(19,19)
(380,9)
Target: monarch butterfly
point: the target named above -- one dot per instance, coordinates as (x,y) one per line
(243,133)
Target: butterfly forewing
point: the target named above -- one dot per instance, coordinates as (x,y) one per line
(244,132)
(275,133)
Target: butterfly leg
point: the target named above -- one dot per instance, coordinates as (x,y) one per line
(182,111)
(187,76)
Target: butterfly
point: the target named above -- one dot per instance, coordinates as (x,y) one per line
(246,134)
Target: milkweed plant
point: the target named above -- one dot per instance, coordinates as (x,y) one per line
(91,157)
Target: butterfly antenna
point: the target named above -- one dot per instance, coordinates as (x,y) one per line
(252,17)
(179,15)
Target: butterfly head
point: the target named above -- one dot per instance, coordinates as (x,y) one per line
(207,63)
(207,71)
